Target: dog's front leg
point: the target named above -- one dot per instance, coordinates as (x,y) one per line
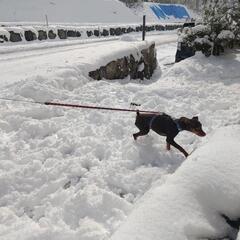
(141,133)
(173,143)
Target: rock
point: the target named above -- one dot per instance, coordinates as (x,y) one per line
(96,33)
(112,31)
(117,69)
(62,34)
(29,35)
(138,29)
(3,39)
(123,30)
(71,33)
(133,67)
(118,31)
(159,27)
(105,32)
(150,61)
(130,29)
(51,34)
(15,37)
(42,35)
(128,66)
(89,33)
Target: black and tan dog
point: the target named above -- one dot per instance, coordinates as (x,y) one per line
(165,125)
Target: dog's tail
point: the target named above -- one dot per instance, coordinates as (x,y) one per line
(138,113)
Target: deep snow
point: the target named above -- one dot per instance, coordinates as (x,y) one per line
(190,204)
(78,174)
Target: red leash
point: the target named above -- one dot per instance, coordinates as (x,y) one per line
(93,107)
(79,106)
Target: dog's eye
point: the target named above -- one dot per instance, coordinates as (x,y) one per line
(197,125)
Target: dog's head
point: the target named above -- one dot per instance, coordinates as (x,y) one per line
(193,125)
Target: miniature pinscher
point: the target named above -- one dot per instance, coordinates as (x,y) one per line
(165,125)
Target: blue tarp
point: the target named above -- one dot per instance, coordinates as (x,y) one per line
(164,11)
(158,12)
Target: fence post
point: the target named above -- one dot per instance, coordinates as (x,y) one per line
(144,28)
(46,20)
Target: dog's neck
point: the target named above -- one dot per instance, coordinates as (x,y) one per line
(183,123)
(178,124)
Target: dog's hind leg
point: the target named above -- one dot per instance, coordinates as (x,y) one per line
(141,133)
(168,146)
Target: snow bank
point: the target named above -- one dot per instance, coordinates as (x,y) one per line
(189,205)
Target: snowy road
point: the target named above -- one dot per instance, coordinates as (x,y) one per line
(77,174)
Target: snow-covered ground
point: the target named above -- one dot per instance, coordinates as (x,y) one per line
(191,203)
(75,12)
(61,11)
(78,174)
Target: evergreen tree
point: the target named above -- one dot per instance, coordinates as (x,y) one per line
(220,29)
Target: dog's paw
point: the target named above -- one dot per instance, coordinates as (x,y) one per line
(135,137)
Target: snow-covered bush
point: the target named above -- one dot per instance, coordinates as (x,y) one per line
(132,3)
(198,38)
(220,28)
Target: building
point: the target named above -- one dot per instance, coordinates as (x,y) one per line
(192,4)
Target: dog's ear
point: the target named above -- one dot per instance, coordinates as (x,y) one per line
(195,118)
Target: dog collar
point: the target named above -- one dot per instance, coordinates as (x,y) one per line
(152,120)
(178,125)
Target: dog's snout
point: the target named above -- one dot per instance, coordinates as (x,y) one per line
(201,133)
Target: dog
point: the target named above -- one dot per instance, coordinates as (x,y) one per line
(165,125)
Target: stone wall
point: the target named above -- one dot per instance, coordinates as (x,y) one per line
(41,33)
(129,66)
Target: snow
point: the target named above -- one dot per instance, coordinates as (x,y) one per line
(3,31)
(128,38)
(75,12)
(85,57)
(61,11)
(226,34)
(199,29)
(78,174)
(188,205)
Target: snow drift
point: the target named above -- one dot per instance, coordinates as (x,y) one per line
(190,204)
